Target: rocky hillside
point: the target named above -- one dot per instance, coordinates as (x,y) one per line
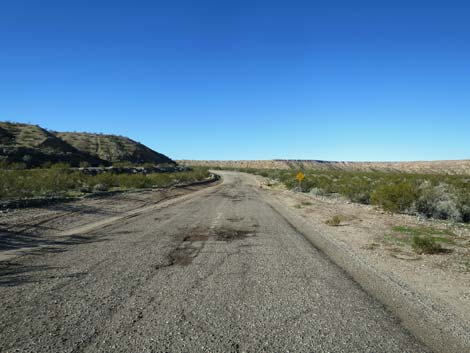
(446,167)
(34,146)
(113,148)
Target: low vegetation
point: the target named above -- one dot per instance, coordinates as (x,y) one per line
(436,196)
(335,221)
(63,181)
(303,204)
(423,240)
(426,245)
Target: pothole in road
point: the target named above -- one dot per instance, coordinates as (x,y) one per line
(185,253)
(190,245)
(233,197)
(235,219)
(196,237)
(228,234)
(183,256)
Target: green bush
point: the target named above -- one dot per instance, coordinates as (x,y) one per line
(58,181)
(440,201)
(432,195)
(395,197)
(357,190)
(464,206)
(425,245)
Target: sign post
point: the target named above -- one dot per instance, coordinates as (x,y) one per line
(300,176)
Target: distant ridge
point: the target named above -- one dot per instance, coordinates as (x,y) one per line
(419,167)
(35,146)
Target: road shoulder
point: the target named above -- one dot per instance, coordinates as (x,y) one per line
(23,231)
(440,322)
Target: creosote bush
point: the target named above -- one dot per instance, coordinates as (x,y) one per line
(395,197)
(438,196)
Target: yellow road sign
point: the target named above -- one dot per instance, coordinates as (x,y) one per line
(300,176)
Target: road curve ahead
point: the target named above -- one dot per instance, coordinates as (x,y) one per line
(220,271)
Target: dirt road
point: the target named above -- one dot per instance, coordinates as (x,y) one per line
(220,271)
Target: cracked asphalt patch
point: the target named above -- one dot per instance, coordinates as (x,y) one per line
(230,234)
(190,246)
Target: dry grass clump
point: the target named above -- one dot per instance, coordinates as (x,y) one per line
(335,221)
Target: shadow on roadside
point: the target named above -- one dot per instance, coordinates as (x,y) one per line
(16,273)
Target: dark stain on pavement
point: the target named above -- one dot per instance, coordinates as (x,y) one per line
(228,234)
(235,219)
(190,245)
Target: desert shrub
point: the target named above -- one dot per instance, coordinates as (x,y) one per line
(36,182)
(58,181)
(358,189)
(395,197)
(85,188)
(396,192)
(438,201)
(100,187)
(109,180)
(264,173)
(334,221)
(464,206)
(425,245)
(162,180)
(137,181)
(317,192)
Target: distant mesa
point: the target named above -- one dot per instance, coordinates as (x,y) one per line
(34,146)
(419,167)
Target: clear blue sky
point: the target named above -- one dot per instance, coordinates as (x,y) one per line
(335,80)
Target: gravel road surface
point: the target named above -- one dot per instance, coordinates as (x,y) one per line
(221,271)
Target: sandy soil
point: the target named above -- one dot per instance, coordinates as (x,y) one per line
(368,231)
